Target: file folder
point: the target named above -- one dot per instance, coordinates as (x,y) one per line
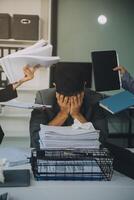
(118,102)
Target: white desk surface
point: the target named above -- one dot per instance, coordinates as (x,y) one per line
(119,188)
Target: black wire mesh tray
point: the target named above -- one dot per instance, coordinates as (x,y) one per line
(72,164)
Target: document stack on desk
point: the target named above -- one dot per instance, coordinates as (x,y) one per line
(64,137)
(38,54)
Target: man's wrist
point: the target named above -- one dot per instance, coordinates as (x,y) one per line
(75,115)
(64,114)
(79,117)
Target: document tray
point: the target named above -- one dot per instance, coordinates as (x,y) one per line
(80,164)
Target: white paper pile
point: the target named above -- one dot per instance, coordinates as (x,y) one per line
(25,105)
(38,54)
(68,137)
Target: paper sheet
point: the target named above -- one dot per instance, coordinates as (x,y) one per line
(68,137)
(37,54)
(26,105)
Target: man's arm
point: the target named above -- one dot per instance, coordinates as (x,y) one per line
(75,109)
(59,119)
(64,105)
(28,75)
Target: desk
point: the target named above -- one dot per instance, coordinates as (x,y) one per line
(119,188)
(131,109)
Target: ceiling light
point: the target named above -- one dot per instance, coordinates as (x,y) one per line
(102,19)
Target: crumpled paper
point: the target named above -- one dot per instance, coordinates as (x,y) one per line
(87,125)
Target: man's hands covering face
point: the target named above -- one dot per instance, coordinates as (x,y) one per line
(64,103)
(70,105)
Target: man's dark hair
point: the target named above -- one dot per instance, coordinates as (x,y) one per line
(69,80)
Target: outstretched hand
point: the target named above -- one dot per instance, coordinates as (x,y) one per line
(28,73)
(121,69)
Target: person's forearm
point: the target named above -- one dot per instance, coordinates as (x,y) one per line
(128,82)
(8,93)
(79,117)
(59,119)
(17,84)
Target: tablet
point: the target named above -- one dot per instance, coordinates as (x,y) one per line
(103,63)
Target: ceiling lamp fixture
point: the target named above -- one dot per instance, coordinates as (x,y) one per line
(102,19)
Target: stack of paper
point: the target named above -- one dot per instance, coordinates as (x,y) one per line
(37,54)
(67,137)
(26,105)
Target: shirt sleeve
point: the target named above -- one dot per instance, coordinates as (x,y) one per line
(128,82)
(8,93)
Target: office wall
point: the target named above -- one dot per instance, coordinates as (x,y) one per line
(79,32)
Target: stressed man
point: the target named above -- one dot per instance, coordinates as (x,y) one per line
(70,100)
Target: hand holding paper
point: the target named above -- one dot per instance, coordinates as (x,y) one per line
(28,75)
(37,54)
